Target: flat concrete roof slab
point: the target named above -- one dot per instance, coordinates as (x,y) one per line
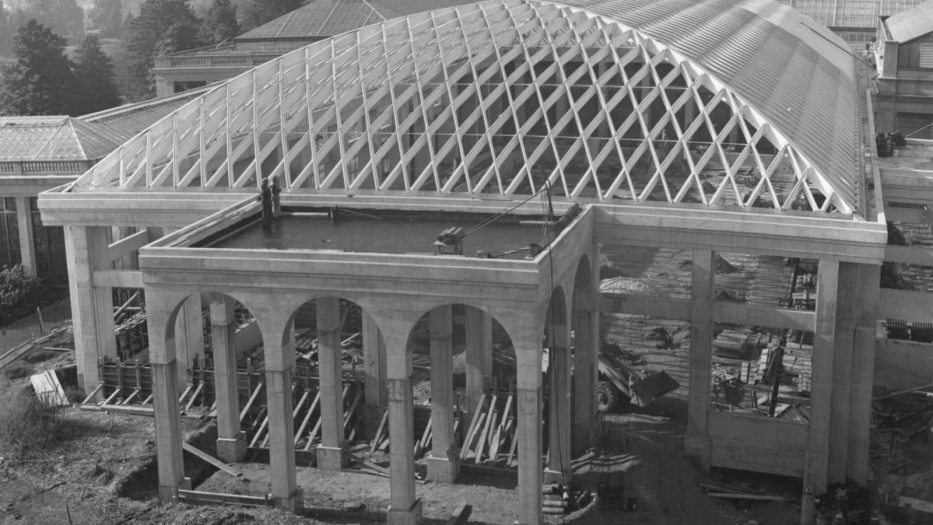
(364,231)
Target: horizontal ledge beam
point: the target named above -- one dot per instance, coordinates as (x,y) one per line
(664,307)
(118,278)
(761,315)
(906,305)
(917,255)
(914,215)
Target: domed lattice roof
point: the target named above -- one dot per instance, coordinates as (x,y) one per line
(715,103)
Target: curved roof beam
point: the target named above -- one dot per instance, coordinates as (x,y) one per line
(503,96)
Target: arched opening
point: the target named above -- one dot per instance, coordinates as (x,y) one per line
(338,384)
(557,368)
(233,365)
(463,382)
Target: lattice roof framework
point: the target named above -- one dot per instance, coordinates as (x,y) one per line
(477,90)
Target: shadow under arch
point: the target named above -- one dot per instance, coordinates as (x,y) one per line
(557,369)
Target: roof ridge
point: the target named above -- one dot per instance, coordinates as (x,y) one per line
(77,137)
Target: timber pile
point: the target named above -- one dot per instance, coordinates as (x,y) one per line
(560,499)
(492,436)
(56,338)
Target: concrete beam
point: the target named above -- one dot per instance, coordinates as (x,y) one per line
(128,245)
(664,307)
(760,315)
(918,255)
(906,305)
(118,278)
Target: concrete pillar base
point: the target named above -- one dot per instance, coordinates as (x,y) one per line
(232,450)
(293,503)
(168,493)
(411,516)
(443,470)
(556,476)
(700,449)
(332,458)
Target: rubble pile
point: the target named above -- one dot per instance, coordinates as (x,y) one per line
(900,453)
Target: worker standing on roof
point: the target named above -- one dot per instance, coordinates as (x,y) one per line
(265,197)
(276,199)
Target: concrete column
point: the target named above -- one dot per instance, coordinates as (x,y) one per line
(696,441)
(824,343)
(165,401)
(189,327)
(404,506)
(331,453)
(560,397)
(91,307)
(374,370)
(585,365)
(231,441)
(27,244)
(443,463)
(847,305)
(863,373)
(478,349)
(280,363)
(529,414)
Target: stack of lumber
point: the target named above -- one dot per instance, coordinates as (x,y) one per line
(492,436)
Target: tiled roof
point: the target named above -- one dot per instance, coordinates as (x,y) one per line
(862,14)
(325,18)
(89,137)
(53,138)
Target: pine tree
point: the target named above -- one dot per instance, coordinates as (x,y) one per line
(259,12)
(220,22)
(94,72)
(41,82)
(163,26)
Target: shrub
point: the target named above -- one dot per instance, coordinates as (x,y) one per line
(18,371)
(20,293)
(28,426)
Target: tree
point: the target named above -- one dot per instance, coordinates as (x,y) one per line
(220,22)
(94,72)
(41,80)
(63,17)
(163,26)
(107,17)
(259,12)
(6,32)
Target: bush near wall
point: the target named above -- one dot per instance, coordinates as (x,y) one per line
(20,293)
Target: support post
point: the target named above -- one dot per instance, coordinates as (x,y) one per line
(696,440)
(585,360)
(478,349)
(374,369)
(231,441)
(280,365)
(863,373)
(164,369)
(559,401)
(529,415)
(824,344)
(331,453)
(189,327)
(443,463)
(847,305)
(404,506)
(91,307)
(27,245)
